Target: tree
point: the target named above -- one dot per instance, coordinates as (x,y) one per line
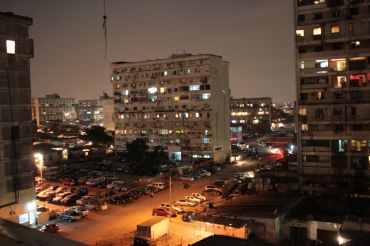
(98,136)
(136,151)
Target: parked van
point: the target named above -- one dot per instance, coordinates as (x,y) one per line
(159,185)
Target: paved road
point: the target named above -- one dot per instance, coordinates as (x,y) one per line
(120,220)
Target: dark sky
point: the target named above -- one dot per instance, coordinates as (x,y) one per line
(255,36)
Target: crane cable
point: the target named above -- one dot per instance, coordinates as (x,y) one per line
(105,32)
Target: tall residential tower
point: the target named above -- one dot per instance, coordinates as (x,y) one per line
(17,192)
(333,92)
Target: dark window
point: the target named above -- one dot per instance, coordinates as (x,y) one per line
(301,18)
(319,48)
(318,16)
(301,50)
(303,96)
(319,113)
(337,111)
(354,11)
(337,46)
(336,13)
(359,162)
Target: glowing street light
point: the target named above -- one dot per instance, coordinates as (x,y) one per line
(39,161)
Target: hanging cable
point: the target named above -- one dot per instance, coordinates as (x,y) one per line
(105,32)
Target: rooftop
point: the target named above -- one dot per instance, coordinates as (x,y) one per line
(265,205)
(178,57)
(12,234)
(219,240)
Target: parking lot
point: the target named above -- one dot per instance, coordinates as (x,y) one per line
(120,219)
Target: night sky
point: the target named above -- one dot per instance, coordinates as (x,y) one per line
(255,36)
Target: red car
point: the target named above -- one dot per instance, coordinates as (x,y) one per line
(52,228)
(163,212)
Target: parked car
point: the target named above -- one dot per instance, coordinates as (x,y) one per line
(183,202)
(86,199)
(70,216)
(199,196)
(212,188)
(163,212)
(70,199)
(70,181)
(172,207)
(186,178)
(52,228)
(188,216)
(78,209)
(115,183)
(192,199)
(159,185)
(204,173)
(60,196)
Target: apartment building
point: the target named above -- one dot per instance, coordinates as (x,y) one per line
(89,112)
(333,93)
(108,112)
(53,108)
(249,116)
(181,103)
(17,192)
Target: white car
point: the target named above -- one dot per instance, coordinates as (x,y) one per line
(115,183)
(204,173)
(171,207)
(70,215)
(78,209)
(183,202)
(186,178)
(212,188)
(192,199)
(199,196)
(60,196)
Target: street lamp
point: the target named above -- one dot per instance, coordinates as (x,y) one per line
(39,161)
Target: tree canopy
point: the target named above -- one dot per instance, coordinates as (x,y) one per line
(98,136)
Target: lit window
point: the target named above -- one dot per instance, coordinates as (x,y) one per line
(233,121)
(206,140)
(188,71)
(206,96)
(126,92)
(165,73)
(304,127)
(10,46)
(317,31)
(162,90)
(152,90)
(322,63)
(196,115)
(355,44)
(299,33)
(176,98)
(319,1)
(334,29)
(338,64)
(302,111)
(194,88)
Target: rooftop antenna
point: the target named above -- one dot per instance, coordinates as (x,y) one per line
(105,32)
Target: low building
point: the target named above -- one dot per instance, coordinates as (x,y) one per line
(220,240)
(263,215)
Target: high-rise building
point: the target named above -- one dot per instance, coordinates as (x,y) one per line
(17,192)
(89,112)
(333,94)
(181,103)
(53,108)
(250,116)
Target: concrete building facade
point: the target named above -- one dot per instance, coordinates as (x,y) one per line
(89,112)
(108,112)
(249,116)
(17,193)
(333,94)
(53,108)
(181,102)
